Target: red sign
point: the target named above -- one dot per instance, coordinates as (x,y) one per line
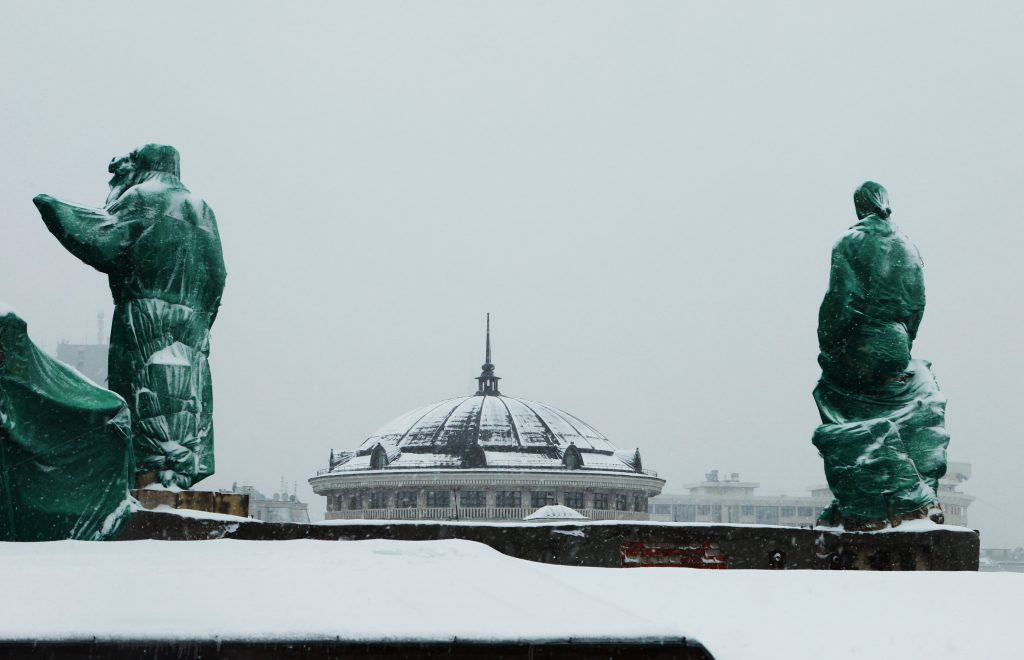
(705,555)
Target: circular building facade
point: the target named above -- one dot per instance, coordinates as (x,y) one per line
(485,457)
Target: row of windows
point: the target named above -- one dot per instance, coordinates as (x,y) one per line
(408,499)
(762,514)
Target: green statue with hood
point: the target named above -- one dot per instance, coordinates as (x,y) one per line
(883,436)
(158,243)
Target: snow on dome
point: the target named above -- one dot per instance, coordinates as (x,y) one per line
(487,430)
(490,430)
(555,512)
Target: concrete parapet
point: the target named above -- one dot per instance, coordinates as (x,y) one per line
(622,543)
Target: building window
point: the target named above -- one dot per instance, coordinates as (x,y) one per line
(767,515)
(508,498)
(746,510)
(405,499)
(805,511)
(573,500)
(788,511)
(685,513)
(600,500)
(703,509)
(378,500)
(541,498)
(639,502)
(438,498)
(355,502)
(621,503)
(662,510)
(473,498)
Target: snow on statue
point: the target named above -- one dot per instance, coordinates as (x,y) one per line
(160,247)
(882,436)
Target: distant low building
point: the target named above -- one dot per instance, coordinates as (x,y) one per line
(996,560)
(281,507)
(89,359)
(726,499)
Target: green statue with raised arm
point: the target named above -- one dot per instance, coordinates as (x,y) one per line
(883,436)
(158,243)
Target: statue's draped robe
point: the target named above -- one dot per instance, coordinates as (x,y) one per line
(882,436)
(65,447)
(160,247)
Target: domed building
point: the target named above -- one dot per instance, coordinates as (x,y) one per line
(486,457)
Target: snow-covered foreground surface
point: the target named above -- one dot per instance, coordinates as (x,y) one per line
(437,590)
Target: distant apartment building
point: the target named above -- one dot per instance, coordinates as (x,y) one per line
(89,359)
(726,499)
(280,507)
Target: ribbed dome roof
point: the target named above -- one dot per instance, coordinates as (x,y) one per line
(492,422)
(487,430)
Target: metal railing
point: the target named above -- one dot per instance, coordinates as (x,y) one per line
(650,473)
(473,513)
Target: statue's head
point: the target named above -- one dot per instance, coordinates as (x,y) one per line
(872,199)
(156,158)
(147,158)
(141,165)
(120,166)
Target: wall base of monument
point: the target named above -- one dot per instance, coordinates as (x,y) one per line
(233,504)
(575,649)
(918,546)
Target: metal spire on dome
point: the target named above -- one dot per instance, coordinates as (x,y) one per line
(488,382)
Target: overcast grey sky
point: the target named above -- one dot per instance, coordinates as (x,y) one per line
(644,196)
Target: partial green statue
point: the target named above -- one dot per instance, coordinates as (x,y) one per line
(158,243)
(883,436)
(65,446)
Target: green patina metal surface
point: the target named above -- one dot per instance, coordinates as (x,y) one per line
(882,436)
(65,447)
(160,247)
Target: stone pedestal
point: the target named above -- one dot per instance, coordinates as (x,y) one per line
(625,544)
(234,504)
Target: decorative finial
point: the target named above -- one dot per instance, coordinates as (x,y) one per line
(487,358)
(488,382)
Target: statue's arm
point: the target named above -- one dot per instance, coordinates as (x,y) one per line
(93,235)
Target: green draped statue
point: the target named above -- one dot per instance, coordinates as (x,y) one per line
(882,437)
(65,447)
(159,246)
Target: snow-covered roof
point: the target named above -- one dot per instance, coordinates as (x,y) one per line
(487,430)
(555,512)
(491,422)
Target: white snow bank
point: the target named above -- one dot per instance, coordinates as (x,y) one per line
(398,590)
(437,590)
(809,615)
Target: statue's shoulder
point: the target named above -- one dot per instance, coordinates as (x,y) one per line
(851,240)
